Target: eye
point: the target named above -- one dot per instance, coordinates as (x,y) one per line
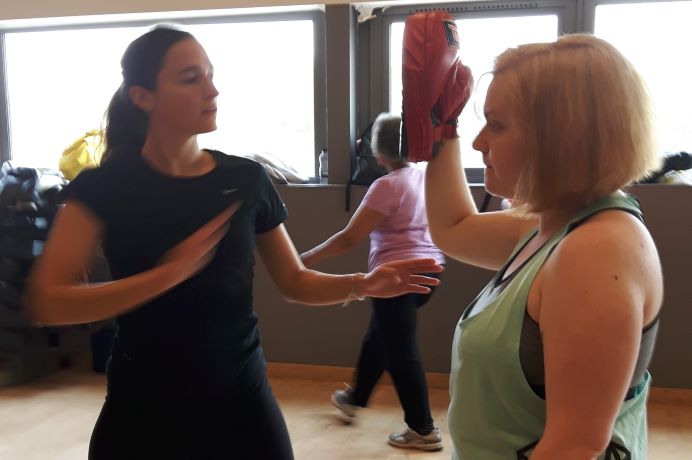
(189,78)
(494,126)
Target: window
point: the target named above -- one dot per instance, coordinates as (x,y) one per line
(489,36)
(654,36)
(266,89)
(59,83)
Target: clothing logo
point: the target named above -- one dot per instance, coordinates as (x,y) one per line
(228,191)
(452,33)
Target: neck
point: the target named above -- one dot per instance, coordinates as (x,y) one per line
(550,221)
(177,156)
(398,165)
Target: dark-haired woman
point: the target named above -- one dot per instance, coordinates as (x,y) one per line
(186,376)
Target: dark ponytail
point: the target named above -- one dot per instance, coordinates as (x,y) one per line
(126,124)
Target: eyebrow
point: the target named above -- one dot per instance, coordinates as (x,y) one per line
(193,68)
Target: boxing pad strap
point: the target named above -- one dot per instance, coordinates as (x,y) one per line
(445,131)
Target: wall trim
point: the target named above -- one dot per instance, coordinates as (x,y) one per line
(336,373)
(440,381)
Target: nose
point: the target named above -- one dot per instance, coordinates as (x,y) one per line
(480,144)
(212,91)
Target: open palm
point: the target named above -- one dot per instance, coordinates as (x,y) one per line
(400,277)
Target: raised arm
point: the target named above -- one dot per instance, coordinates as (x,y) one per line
(55,295)
(364,221)
(599,288)
(310,287)
(457,228)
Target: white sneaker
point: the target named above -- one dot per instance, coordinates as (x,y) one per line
(343,400)
(409,439)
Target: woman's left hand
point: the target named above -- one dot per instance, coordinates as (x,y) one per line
(400,277)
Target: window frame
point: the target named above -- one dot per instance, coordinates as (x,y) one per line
(316,15)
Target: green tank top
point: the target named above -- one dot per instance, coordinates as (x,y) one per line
(494,414)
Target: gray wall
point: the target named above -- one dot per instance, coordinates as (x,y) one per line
(330,336)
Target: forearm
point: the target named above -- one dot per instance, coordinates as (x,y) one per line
(448,198)
(315,288)
(338,244)
(75,304)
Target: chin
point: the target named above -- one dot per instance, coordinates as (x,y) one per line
(495,190)
(207,129)
(489,182)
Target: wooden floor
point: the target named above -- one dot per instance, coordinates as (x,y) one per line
(51,419)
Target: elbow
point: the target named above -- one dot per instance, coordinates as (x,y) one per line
(441,240)
(436,236)
(289,297)
(34,312)
(572,449)
(596,445)
(38,311)
(347,241)
(290,288)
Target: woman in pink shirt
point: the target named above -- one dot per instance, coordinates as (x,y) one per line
(393,215)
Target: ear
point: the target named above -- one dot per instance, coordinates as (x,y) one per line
(141,98)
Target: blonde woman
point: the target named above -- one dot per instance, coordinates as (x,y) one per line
(550,360)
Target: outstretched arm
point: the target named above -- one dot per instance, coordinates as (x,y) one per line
(364,221)
(457,228)
(55,295)
(299,284)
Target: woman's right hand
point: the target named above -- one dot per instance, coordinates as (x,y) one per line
(190,256)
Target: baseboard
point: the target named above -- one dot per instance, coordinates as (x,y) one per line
(657,395)
(674,396)
(335,373)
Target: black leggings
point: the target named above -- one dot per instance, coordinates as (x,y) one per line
(251,427)
(390,344)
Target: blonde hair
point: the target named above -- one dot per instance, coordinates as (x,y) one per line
(587,116)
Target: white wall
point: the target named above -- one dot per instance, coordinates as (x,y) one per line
(14,10)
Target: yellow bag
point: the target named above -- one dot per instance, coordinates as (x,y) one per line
(85,152)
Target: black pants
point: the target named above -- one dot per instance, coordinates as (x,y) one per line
(390,345)
(250,427)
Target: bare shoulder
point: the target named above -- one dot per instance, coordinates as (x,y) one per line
(611,256)
(610,233)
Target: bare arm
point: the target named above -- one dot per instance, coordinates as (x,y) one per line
(310,287)
(55,296)
(364,221)
(599,288)
(457,228)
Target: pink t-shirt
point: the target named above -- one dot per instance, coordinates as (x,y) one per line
(403,234)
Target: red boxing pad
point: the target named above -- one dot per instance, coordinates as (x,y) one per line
(430,50)
(453,98)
